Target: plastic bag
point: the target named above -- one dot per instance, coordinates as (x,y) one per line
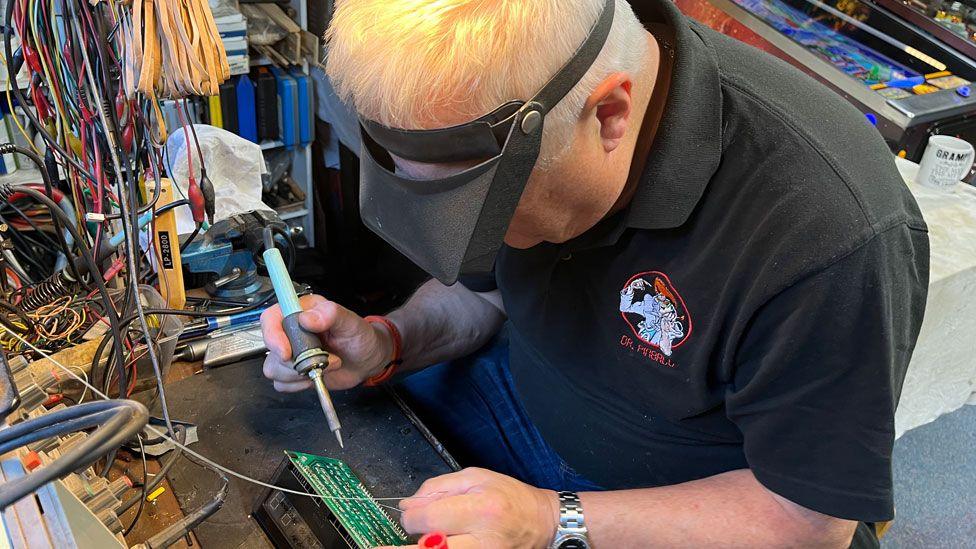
(234,166)
(261,29)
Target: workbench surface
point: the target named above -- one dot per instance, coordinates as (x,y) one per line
(245,425)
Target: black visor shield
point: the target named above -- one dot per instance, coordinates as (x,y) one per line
(455,226)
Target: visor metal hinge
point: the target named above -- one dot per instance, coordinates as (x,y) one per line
(531,122)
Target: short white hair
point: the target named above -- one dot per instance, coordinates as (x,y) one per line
(422,64)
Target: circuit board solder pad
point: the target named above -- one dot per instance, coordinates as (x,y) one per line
(367,524)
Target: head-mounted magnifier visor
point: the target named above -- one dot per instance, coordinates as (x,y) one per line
(455,226)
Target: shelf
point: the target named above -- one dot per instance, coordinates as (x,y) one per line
(23,175)
(292,214)
(299,214)
(269,145)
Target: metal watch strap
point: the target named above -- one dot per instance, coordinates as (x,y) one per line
(570,511)
(571,524)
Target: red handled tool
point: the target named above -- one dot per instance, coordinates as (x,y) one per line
(434,540)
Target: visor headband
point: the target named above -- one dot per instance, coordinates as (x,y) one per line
(485,137)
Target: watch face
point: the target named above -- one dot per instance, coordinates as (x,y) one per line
(573,543)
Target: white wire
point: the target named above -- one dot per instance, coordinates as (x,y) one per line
(16,266)
(84,374)
(201,457)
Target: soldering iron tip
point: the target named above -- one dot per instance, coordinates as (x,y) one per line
(338,435)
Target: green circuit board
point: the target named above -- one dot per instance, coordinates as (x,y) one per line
(367,524)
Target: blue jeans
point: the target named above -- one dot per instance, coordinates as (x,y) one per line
(471,405)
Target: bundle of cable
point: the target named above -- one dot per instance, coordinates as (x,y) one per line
(173,49)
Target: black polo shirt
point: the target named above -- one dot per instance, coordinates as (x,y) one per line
(756,306)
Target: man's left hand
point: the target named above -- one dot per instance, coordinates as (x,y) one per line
(478,508)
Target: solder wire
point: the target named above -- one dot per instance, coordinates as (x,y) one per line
(203,458)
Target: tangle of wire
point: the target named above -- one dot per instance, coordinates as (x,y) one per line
(95,149)
(217,466)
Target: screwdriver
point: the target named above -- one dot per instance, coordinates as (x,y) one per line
(308,356)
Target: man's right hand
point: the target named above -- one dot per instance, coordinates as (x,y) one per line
(358,349)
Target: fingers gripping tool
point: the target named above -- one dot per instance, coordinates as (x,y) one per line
(308,356)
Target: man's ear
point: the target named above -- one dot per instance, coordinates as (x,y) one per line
(612,103)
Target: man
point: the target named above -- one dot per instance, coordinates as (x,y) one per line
(713,280)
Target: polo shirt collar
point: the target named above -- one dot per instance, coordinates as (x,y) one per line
(687,148)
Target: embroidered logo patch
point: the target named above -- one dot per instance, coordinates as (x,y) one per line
(656,314)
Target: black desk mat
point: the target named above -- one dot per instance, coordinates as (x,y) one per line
(246,426)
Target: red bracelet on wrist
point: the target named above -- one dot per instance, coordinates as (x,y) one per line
(397,359)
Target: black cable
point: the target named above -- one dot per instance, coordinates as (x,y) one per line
(32,244)
(114,421)
(20,314)
(8,325)
(176,532)
(38,244)
(102,382)
(49,188)
(180,436)
(193,235)
(124,323)
(206,301)
(144,493)
(172,205)
(201,314)
(41,268)
(87,258)
(149,205)
(29,241)
(196,142)
(130,232)
(49,171)
(43,234)
(9,395)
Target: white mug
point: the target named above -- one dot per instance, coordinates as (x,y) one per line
(946,161)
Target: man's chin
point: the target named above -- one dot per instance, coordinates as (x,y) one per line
(522,241)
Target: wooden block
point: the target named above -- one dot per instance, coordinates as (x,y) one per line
(79,356)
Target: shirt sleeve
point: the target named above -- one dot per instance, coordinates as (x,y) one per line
(819,372)
(479,283)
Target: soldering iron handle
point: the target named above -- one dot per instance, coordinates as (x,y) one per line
(302,341)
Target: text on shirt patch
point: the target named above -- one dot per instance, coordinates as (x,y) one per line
(656,314)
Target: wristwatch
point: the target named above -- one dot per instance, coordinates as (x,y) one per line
(571,533)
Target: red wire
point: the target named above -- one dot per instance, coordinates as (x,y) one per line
(55,195)
(21,16)
(114,270)
(132,373)
(129,366)
(17,281)
(54,84)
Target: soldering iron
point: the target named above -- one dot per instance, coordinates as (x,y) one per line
(308,356)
